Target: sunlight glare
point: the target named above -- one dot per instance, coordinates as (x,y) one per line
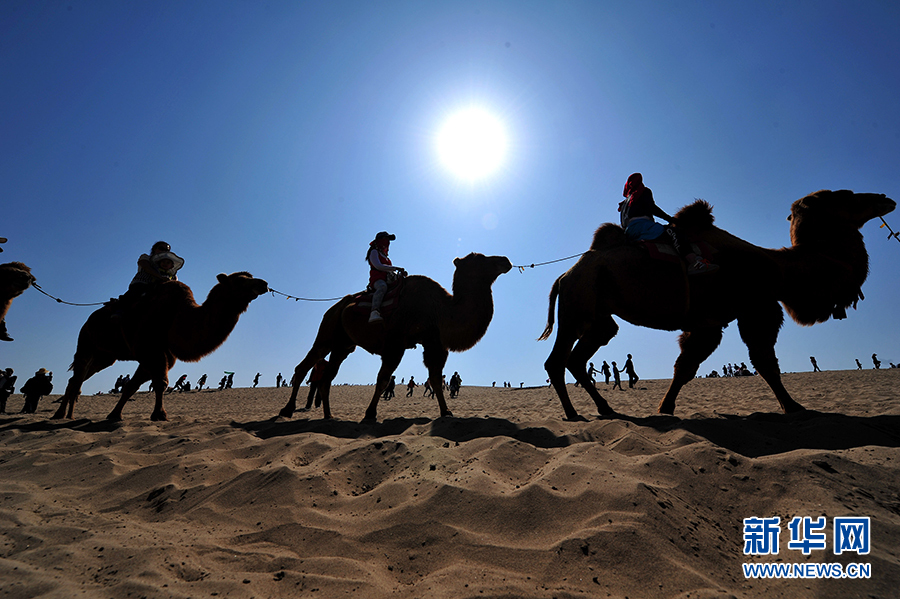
(472,144)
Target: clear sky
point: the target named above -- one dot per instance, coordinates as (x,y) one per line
(279,137)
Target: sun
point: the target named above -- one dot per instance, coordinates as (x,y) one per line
(472,143)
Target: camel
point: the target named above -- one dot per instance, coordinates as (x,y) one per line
(156,331)
(425,314)
(818,277)
(15,278)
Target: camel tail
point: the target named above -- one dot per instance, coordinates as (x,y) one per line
(551,312)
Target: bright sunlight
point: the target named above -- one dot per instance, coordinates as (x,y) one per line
(472,144)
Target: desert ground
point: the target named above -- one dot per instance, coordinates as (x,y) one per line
(505,499)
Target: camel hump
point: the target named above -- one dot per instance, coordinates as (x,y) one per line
(695,217)
(607,236)
(15,266)
(172,291)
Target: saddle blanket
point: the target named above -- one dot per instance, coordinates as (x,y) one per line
(666,251)
(363,299)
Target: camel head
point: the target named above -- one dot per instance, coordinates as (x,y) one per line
(830,211)
(481,268)
(826,224)
(240,288)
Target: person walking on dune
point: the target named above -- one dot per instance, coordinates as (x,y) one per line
(617,380)
(34,389)
(629,370)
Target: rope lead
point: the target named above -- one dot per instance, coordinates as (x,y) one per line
(892,234)
(522,268)
(334,299)
(59,301)
(304,299)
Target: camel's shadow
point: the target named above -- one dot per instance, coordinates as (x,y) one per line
(756,435)
(457,430)
(764,434)
(333,427)
(84,425)
(752,436)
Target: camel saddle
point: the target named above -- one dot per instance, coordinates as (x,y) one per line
(362,301)
(664,250)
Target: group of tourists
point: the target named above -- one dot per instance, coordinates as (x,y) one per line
(33,390)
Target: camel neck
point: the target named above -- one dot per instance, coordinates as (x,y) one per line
(822,278)
(472,308)
(199,330)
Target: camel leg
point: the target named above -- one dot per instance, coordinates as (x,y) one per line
(314,355)
(83,368)
(435,357)
(141,375)
(595,338)
(390,360)
(760,332)
(67,403)
(696,346)
(313,389)
(160,384)
(337,358)
(556,368)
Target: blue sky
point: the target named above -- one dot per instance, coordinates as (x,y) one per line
(279,137)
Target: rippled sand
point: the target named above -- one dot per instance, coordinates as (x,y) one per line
(503,500)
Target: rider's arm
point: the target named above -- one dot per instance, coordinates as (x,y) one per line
(145,265)
(375,262)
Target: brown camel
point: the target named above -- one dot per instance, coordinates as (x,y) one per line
(156,331)
(425,314)
(15,278)
(816,278)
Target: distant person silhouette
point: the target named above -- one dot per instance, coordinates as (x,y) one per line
(617,380)
(629,370)
(389,390)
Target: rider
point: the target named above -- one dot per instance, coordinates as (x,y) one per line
(637,212)
(380,270)
(159,266)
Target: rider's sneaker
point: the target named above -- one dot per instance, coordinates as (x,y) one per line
(375,316)
(702,266)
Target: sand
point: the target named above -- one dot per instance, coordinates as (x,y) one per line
(504,500)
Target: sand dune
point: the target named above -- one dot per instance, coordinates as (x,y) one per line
(504,500)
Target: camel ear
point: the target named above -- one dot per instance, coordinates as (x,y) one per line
(221,277)
(456,262)
(799,207)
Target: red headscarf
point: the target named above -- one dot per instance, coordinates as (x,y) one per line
(635,182)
